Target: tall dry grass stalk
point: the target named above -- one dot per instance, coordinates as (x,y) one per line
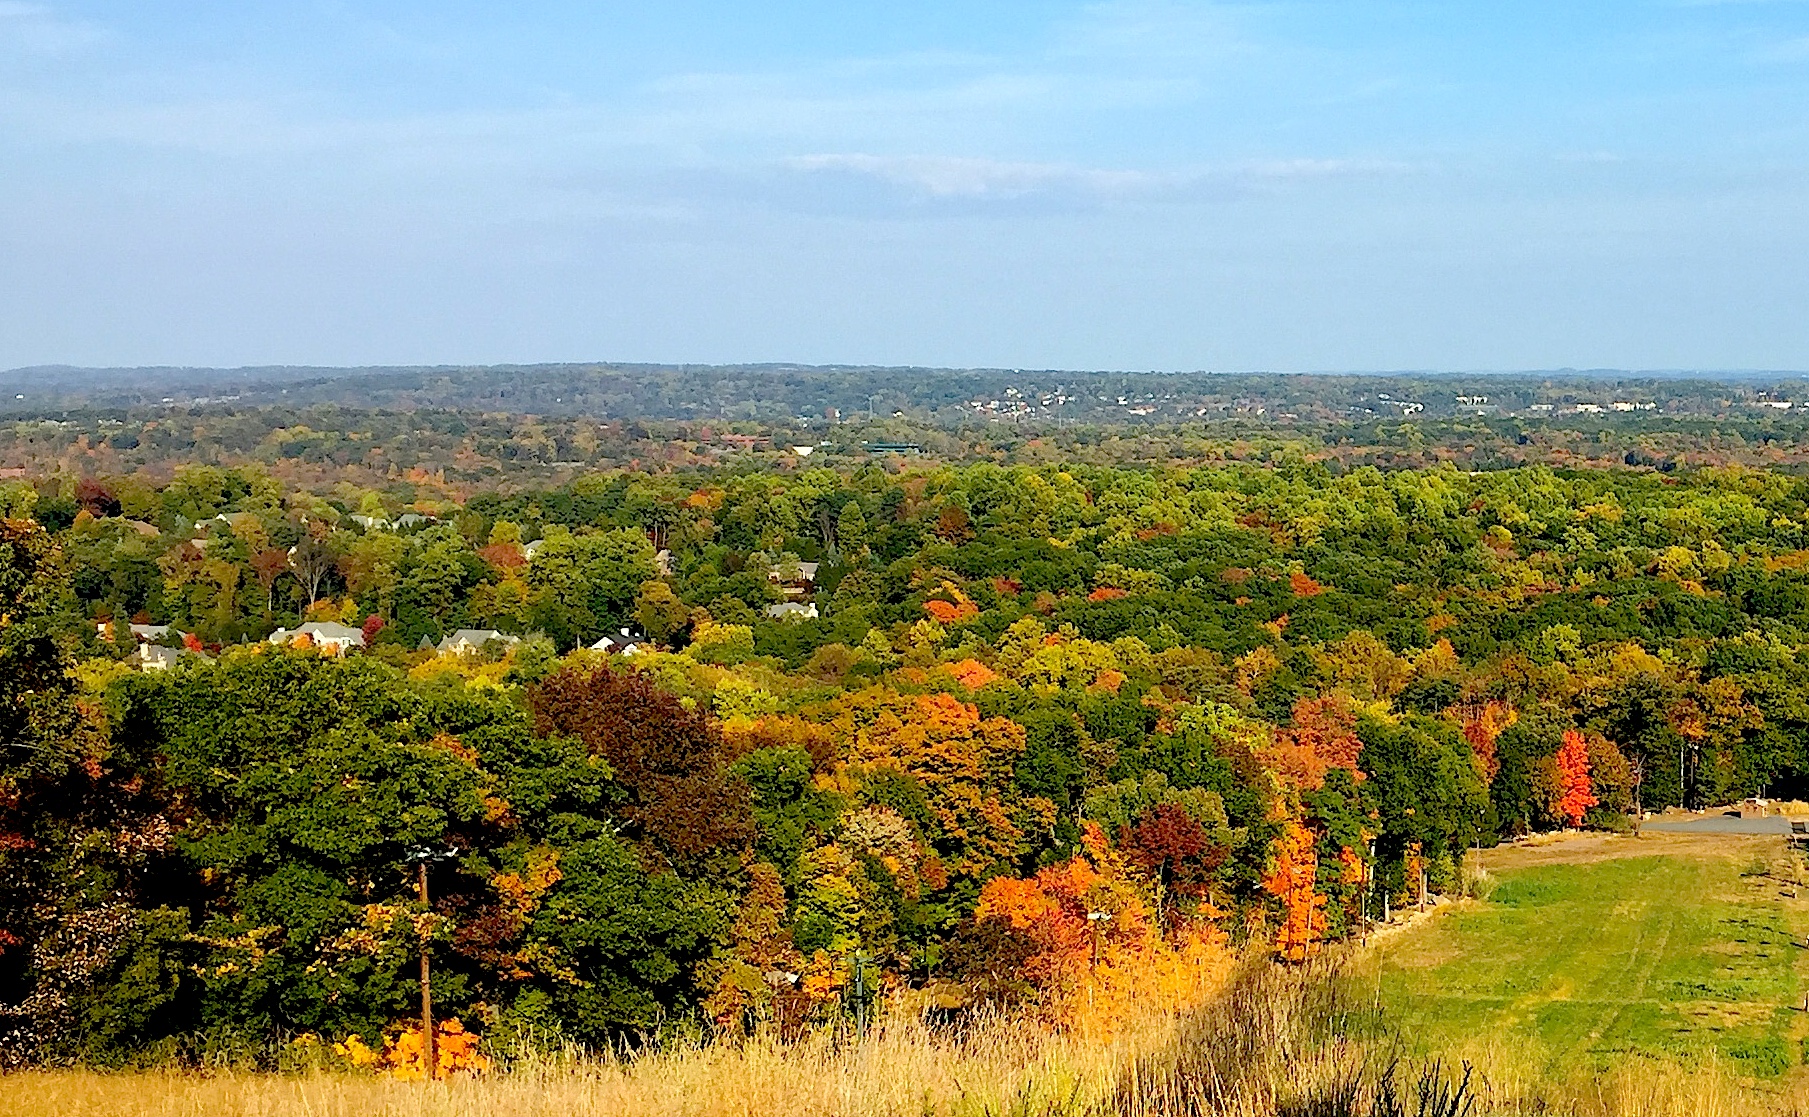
(1276,1043)
(1001,1066)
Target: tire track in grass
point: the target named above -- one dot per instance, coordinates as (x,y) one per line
(1591,959)
(1637,983)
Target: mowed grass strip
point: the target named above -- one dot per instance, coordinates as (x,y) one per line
(1588,959)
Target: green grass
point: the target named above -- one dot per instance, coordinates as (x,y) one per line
(1587,963)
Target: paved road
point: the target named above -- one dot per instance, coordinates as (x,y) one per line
(1721,824)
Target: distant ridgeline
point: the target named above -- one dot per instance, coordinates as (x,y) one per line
(777,392)
(480,427)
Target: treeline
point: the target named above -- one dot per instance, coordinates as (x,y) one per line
(1048,729)
(435,452)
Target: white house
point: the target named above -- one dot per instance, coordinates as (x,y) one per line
(143,633)
(156,657)
(624,643)
(792,611)
(802,584)
(331,635)
(468,640)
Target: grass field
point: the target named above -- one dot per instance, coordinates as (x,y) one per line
(1598,948)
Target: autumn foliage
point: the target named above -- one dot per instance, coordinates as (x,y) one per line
(684,803)
(1482,728)
(972,674)
(1323,737)
(1575,793)
(404,1053)
(1093,948)
(955,756)
(950,612)
(1026,748)
(1303,585)
(1291,880)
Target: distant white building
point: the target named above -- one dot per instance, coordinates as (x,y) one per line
(143,633)
(623,643)
(792,611)
(468,640)
(156,657)
(329,635)
(384,523)
(800,585)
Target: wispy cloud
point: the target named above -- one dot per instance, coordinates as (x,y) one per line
(942,176)
(948,177)
(1154,32)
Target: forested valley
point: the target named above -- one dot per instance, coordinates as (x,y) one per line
(710,749)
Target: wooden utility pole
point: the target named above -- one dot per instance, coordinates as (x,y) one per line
(421,856)
(427,998)
(427,1045)
(1639,810)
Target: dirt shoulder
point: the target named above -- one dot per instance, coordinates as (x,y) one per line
(1578,849)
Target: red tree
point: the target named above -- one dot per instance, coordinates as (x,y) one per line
(95,498)
(1172,847)
(1483,728)
(1575,794)
(683,803)
(1323,736)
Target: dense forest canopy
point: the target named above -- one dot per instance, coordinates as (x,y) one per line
(784,391)
(455,432)
(973,724)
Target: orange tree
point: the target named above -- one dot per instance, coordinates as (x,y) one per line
(1291,879)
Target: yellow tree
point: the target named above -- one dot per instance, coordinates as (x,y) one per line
(961,761)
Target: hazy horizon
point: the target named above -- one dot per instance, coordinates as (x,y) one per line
(283,368)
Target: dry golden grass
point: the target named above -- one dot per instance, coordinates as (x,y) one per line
(1275,1041)
(903,1068)
(1587,848)
(1004,1070)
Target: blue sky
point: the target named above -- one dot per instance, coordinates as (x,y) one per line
(1345,184)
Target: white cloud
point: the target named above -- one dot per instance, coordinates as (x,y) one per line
(943,176)
(948,177)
